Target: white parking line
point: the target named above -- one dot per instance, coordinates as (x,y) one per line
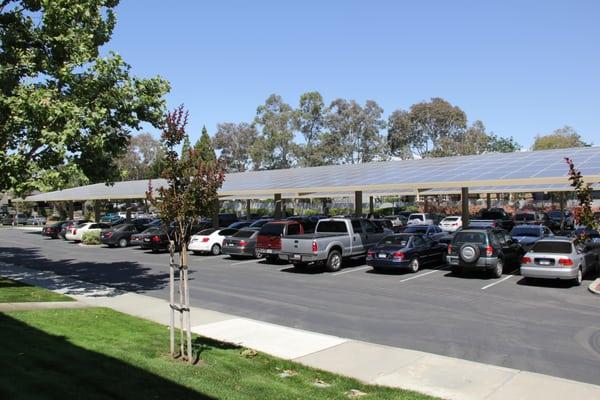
(286,267)
(350,270)
(423,274)
(246,262)
(510,275)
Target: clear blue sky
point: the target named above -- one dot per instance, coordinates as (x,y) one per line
(522,67)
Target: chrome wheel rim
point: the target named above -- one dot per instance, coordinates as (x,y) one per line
(335,262)
(414,265)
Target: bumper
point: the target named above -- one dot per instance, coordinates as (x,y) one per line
(387,264)
(481,263)
(75,238)
(549,273)
(268,252)
(291,257)
(108,240)
(449,228)
(238,251)
(199,246)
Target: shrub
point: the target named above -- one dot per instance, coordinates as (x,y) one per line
(91,237)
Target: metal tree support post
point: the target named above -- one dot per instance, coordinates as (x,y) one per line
(215,214)
(464,198)
(277,199)
(182,307)
(358,203)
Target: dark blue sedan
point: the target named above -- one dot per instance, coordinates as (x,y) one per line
(407,251)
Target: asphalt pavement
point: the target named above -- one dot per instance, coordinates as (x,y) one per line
(546,327)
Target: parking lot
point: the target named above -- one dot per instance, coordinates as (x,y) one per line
(547,327)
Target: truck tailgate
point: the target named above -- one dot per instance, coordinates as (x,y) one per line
(302,244)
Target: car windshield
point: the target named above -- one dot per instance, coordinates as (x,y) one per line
(470,237)
(396,240)
(554,247)
(531,232)
(332,227)
(524,217)
(416,229)
(272,229)
(244,233)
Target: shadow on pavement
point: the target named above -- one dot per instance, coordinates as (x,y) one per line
(36,364)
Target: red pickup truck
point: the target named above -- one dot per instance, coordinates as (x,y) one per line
(268,242)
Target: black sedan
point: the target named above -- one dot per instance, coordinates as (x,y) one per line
(242,243)
(138,238)
(52,231)
(119,235)
(406,251)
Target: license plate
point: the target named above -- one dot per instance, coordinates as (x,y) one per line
(544,262)
(453,261)
(229,244)
(146,240)
(268,251)
(297,257)
(382,255)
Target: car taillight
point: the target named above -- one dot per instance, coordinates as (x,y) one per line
(108,234)
(205,239)
(489,251)
(449,249)
(525,260)
(493,224)
(398,255)
(315,247)
(370,253)
(74,231)
(565,262)
(243,243)
(155,239)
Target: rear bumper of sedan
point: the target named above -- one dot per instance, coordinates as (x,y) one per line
(387,264)
(530,271)
(237,250)
(199,246)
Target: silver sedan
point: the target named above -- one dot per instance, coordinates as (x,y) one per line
(558,258)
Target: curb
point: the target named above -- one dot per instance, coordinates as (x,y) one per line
(595,284)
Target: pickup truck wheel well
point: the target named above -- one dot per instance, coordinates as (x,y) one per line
(337,248)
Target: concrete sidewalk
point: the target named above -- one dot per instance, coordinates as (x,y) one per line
(446,377)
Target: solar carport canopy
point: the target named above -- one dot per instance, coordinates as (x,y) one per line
(535,169)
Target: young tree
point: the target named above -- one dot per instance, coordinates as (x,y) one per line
(204,147)
(62,106)
(236,140)
(191,192)
(561,138)
(583,191)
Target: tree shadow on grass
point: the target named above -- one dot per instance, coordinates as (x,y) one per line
(121,275)
(36,365)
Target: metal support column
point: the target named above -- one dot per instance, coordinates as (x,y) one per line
(277,199)
(71,209)
(488,200)
(215,214)
(464,197)
(358,203)
(248,208)
(97,210)
(371,207)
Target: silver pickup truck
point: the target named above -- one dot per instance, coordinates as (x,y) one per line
(334,239)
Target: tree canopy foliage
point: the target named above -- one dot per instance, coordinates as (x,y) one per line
(144,158)
(65,109)
(561,138)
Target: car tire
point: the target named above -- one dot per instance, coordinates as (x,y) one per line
(498,268)
(123,242)
(215,250)
(334,261)
(579,279)
(469,253)
(414,265)
(256,254)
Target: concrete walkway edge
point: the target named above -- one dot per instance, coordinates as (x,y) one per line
(432,374)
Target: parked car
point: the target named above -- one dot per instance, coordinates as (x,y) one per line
(209,240)
(420,219)
(64,228)
(308,222)
(433,232)
(398,221)
(334,239)
(37,220)
(119,235)
(241,243)
(527,235)
(558,258)
(137,238)
(268,242)
(52,231)
(532,218)
(75,233)
(158,241)
(8,219)
(495,218)
(484,249)
(260,222)
(451,224)
(406,251)
(111,218)
(561,220)
(240,224)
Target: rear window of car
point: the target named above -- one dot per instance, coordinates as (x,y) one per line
(419,217)
(272,229)
(450,219)
(244,233)
(525,217)
(293,229)
(416,229)
(227,232)
(522,231)
(399,240)
(491,215)
(332,227)
(553,247)
(206,232)
(470,237)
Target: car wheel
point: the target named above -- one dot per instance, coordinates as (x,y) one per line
(334,261)
(498,268)
(257,254)
(414,265)
(123,242)
(215,250)
(577,281)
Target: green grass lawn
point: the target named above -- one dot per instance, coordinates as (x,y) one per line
(18,292)
(97,353)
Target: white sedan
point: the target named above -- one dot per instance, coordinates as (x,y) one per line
(451,224)
(75,233)
(209,240)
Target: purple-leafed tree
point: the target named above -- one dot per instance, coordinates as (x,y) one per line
(193,181)
(584,214)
